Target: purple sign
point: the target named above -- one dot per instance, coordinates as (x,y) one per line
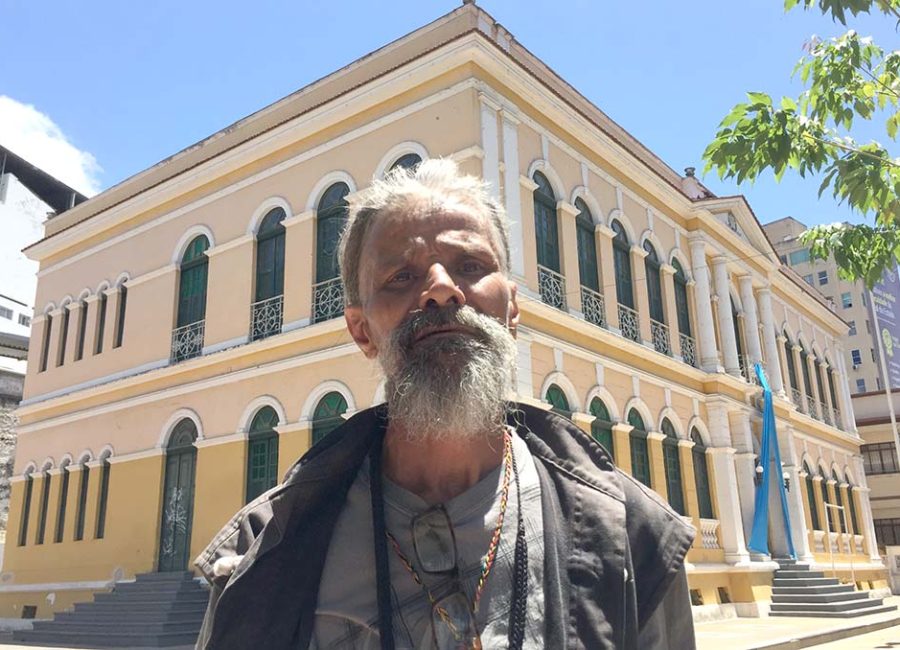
(886,303)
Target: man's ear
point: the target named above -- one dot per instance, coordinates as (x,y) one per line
(512,309)
(359,330)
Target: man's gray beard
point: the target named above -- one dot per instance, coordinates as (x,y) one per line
(452,387)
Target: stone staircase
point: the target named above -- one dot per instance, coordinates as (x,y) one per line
(157,610)
(797,591)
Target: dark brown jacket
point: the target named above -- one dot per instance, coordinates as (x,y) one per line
(613,550)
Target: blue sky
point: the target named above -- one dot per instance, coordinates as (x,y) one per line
(130,86)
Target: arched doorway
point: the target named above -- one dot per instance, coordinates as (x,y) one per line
(178,498)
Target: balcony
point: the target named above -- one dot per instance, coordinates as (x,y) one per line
(827,416)
(797,399)
(659,334)
(328,300)
(629,323)
(593,306)
(187,341)
(552,287)
(688,350)
(266,317)
(812,410)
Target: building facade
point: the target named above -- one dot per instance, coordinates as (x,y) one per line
(849,300)
(879,453)
(189,344)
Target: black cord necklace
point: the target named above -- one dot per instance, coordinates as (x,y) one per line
(516,632)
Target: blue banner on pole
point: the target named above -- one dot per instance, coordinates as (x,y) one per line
(769,456)
(886,305)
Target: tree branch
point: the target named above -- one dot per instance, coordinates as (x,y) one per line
(848,148)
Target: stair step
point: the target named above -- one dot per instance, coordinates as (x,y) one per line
(126,617)
(844,606)
(853,613)
(792,573)
(152,597)
(115,607)
(804,582)
(176,576)
(98,639)
(135,628)
(813,589)
(816,597)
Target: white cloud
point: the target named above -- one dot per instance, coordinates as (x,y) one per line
(36,138)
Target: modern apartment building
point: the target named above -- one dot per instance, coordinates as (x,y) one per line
(189,344)
(849,300)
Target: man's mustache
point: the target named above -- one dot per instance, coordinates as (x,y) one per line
(421,322)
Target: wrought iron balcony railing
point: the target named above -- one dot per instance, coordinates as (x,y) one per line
(838,422)
(593,306)
(187,341)
(797,398)
(629,323)
(689,350)
(266,317)
(811,407)
(827,416)
(552,286)
(659,334)
(328,300)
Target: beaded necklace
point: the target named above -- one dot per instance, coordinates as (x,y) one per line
(488,561)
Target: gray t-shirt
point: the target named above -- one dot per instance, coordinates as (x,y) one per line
(347,609)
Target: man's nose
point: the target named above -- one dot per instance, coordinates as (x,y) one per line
(441,289)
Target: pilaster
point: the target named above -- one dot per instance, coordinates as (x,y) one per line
(657,463)
(770,341)
(604,238)
(299,271)
(622,443)
(109,324)
(73,354)
(667,273)
(800,523)
(723,307)
(642,300)
(706,333)
(751,321)
(566,213)
(490,162)
(90,328)
(731,529)
(72,502)
(512,194)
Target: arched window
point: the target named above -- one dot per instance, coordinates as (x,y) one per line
(811,498)
(629,324)
(61,503)
(187,340)
(268,305)
(640,456)
(683,309)
(601,427)
(829,512)
(178,497)
(262,453)
(838,501)
(45,342)
(558,401)
(832,392)
(853,520)
(407,161)
(63,336)
(81,513)
(658,331)
(82,329)
(821,386)
(672,462)
(331,217)
(103,498)
(120,316)
(546,234)
(701,476)
(327,415)
(739,341)
(101,323)
(45,504)
(28,488)
(792,368)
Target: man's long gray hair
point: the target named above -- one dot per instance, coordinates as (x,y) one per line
(434,183)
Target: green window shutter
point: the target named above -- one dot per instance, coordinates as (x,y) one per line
(654,284)
(101,323)
(82,501)
(331,218)
(45,344)
(831,390)
(819,384)
(546,228)
(327,415)
(811,498)
(558,401)
(193,282)
(103,499)
(587,247)
(672,463)
(853,520)
(622,263)
(640,456)
(270,255)
(701,476)
(64,335)
(45,503)
(792,368)
(120,317)
(804,368)
(61,507)
(26,510)
(262,453)
(681,300)
(601,427)
(408,161)
(82,327)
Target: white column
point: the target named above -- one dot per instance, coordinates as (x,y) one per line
(866,514)
(512,195)
(796,513)
(706,333)
(843,387)
(726,326)
(731,527)
(744,467)
(490,163)
(773,367)
(524,383)
(751,322)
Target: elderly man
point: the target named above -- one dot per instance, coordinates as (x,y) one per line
(449,517)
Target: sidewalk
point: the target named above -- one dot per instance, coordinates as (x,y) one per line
(777,633)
